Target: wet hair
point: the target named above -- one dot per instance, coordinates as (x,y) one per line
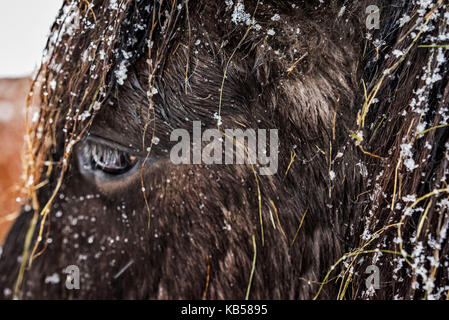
(362,119)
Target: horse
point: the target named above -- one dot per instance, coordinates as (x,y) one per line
(356,93)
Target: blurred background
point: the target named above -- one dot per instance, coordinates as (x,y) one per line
(24,27)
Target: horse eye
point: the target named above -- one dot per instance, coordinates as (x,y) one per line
(106,158)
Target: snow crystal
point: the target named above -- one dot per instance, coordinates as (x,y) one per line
(53,84)
(421,127)
(86,114)
(7,292)
(218,118)
(271,32)
(239,15)
(397,53)
(404,20)
(53,279)
(410,164)
(102,54)
(276,17)
(153,92)
(113,5)
(363,170)
(97,106)
(407,155)
(440,56)
(409,198)
(121,73)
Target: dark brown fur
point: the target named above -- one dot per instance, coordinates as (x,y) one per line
(197,242)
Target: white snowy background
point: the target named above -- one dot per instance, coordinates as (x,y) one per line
(24,27)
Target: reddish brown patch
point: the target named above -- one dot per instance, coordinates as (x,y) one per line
(12,129)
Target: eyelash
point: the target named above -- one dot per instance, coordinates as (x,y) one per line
(107,159)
